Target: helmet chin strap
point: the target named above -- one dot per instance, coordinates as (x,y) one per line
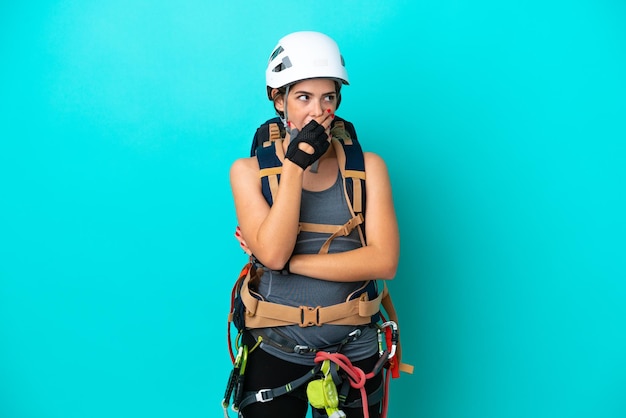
(293,132)
(285,118)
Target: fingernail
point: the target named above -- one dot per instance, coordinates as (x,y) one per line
(328,110)
(332,116)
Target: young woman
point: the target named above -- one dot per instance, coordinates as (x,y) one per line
(304,79)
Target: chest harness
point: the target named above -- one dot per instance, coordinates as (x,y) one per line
(249,310)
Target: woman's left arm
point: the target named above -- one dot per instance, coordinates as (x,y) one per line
(377,260)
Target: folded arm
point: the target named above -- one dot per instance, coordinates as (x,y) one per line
(377,260)
(263,228)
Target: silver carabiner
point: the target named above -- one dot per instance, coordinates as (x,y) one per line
(394,337)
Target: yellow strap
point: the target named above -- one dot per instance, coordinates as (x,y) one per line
(319,228)
(271,171)
(280,152)
(335,230)
(355,174)
(274,132)
(343,231)
(357,192)
(273,180)
(406,368)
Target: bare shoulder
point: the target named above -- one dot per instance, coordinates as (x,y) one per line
(244,168)
(249,163)
(374,165)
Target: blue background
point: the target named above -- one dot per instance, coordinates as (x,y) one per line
(503,125)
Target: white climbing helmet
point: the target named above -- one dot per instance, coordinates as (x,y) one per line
(303,55)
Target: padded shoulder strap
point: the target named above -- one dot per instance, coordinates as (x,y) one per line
(265,133)
(269,156)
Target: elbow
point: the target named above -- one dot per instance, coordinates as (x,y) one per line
(274,261)
(275,264)
(388,274)
(388,269)
(391,265)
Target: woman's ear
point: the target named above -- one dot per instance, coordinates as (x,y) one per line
(279,100)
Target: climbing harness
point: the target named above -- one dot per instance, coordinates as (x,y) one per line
(328,382)
(333,375)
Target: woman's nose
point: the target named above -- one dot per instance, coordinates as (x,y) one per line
(318,108)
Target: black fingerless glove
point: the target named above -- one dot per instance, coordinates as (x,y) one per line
(313,134)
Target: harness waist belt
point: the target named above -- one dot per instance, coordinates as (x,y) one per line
(261,314)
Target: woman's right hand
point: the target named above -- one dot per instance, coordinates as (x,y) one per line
(314,135)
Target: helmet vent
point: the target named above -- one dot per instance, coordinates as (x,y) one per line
(283,65)
(276,52)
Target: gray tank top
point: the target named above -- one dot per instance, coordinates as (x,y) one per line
(326,207)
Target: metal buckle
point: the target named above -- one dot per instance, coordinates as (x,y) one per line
(354,335)
(260,395)
(301,349)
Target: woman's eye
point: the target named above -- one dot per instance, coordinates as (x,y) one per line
(303,97)
(330,98)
